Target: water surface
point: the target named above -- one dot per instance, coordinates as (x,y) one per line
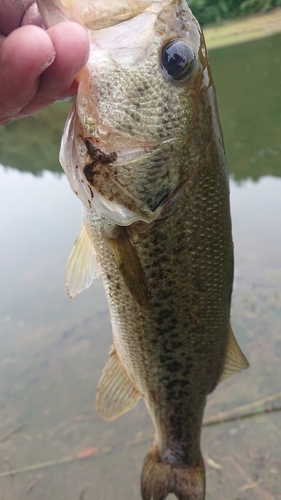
(52,350)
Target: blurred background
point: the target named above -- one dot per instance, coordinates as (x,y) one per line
(52,350)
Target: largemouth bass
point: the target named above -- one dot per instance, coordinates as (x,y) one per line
(143,150)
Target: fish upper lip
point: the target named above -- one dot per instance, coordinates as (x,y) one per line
(110,20)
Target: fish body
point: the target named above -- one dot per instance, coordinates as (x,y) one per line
(143,151)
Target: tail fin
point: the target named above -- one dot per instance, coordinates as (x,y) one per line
(161,478)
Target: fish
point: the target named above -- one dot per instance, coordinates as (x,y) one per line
(143,151)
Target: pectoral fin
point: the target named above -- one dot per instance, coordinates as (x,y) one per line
(235,359)
(127,260)
(82,266)
(116,392)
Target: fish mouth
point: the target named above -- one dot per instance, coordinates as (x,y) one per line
(121,12)
(98,14)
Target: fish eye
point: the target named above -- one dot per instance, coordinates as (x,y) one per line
(178,59)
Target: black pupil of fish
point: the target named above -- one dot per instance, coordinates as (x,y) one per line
(178,59)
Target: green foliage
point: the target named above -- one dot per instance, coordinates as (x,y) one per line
(208,11)
(32,144)
(247,79)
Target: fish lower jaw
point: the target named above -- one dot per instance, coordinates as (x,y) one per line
(121,215)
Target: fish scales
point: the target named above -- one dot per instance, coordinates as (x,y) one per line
(143,151)
(175,349)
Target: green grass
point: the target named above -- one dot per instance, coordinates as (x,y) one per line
(208,11)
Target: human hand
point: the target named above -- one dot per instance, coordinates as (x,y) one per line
(37,66)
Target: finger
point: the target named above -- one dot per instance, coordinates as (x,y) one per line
(32,16)
(12,12)
(72,48)
(25,53)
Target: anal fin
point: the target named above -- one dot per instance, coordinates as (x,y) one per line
(235,359)
(116,392)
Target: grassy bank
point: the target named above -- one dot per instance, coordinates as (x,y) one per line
(246,29)
(208,11)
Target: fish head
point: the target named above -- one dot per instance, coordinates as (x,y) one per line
(126,140)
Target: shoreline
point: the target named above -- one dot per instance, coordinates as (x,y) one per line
(243,30)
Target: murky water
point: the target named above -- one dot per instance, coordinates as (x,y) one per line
(52,350)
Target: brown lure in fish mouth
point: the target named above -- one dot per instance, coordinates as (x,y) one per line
(99,159)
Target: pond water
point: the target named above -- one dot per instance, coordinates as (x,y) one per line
(52,350)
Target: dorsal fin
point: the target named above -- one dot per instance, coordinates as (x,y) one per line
(116,392)
(235,359)
(82,266)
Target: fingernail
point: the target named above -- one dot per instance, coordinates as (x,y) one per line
(47,64)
